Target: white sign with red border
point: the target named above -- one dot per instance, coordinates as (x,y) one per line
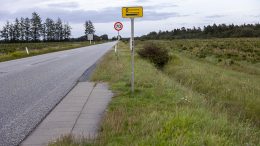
(118,26)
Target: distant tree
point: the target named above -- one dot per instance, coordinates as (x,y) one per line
(44,35)
(66,31)
(27,29)
(16,30)
(11,32)
(214,31)
(89,28)
(50,29)
(22,29)
(104,37)
(59,30)
(5,32)
(36,26)
(114,38)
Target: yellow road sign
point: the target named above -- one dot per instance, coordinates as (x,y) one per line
(132,12)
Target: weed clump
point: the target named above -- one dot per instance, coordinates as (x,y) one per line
(155,53)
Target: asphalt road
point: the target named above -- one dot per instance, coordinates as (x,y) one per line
(31,87)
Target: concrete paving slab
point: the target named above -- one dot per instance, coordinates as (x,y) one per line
(62,116)
(54,132)
(81,89)
(68,108)
(56,124)
(78,114)
(89,116)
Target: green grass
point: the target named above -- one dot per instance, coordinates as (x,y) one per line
(167,109)
(238,92)
(17,50)
(238,54)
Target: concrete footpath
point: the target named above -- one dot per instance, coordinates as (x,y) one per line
(78,114)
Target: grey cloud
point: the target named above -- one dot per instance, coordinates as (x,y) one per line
(164,5)
(215,16)
(79,16)
(64,5)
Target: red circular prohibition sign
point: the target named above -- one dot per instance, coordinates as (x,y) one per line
(118,26)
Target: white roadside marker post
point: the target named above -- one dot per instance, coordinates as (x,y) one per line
(132,12)
(27,51)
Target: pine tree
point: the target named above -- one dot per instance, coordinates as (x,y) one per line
(89,28)
(11,32)
(27,29)
(66,31)
(16,30)
(36,26)
(5,32)
(44,32)
(58,30)
(22,29)
(50,29)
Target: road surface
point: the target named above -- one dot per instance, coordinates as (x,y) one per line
(31,87)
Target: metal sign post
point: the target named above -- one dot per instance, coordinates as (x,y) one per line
(132,12)
(132,56)
(118,27)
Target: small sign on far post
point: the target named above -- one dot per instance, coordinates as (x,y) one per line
(90,37)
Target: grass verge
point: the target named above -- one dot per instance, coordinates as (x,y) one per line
(162,111)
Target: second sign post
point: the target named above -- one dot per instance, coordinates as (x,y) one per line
(118,27)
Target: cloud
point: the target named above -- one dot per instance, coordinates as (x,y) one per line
(215,16)
(64,5)
(160,6)
(78,16)
(256,16)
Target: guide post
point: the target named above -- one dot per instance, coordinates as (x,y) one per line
(132,12)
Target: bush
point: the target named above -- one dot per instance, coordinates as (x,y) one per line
(156,54)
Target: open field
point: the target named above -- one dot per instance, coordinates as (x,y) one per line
(12,51)
(193,100)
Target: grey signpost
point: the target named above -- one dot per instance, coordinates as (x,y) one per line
(132,12)
(132,56)
(118,27)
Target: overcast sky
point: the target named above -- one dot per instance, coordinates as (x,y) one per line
(158,14)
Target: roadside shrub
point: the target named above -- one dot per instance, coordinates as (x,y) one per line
(154,53)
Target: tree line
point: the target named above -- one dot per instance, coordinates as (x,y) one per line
(33,29)
(210,31)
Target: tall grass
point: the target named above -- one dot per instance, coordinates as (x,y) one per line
(162,112)
(238,92)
